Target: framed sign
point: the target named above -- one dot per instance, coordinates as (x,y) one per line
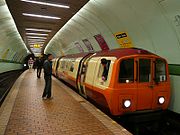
(102,43)
(79,47)
(88,45)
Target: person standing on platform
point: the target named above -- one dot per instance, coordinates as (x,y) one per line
(30,63)
(47,76)
(39,64)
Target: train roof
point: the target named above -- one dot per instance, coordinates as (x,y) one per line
(121,52)
(124,52)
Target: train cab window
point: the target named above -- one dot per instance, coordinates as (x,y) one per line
(160,70)
(126,74)
(104,69)
(144,70)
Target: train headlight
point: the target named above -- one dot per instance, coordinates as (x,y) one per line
(127,81)
(127,103)
(161,100)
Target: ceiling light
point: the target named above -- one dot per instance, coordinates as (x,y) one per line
(36,37)
(34,29)
(38,34)
(31,42)
(36,43)
(41,16)
(46,3)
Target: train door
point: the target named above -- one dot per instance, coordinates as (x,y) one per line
(161,84)
(145,84)
(82,75)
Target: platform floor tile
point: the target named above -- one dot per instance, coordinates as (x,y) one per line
(62,115)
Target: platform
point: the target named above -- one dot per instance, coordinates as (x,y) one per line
(24,112)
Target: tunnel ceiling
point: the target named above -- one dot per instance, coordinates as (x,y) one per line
(37,40)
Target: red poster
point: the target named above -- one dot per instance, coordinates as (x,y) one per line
(101,41)
(88,45)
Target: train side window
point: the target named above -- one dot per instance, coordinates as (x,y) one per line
(62,64)
(144,70)
(104,69)
(160,70)
(126,74)
(72,65)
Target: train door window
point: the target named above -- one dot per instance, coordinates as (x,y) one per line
(126,74)
(72,61)
(104,69)
(160,70)
(144,70)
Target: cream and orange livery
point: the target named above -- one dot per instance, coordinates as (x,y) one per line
(136,80)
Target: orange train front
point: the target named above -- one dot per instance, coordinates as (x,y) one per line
(121,80)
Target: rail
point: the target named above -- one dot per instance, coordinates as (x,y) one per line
(7,80)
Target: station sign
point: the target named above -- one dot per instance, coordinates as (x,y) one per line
(37,45)
(123,39)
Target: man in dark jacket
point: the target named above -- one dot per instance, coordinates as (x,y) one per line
(39,64)
(47,76)
(104,62)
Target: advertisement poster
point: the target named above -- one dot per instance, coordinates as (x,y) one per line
(123,39)
(79,47)
(102,43)
(88,45)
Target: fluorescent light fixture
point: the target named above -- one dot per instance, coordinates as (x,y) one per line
(41,16)
(35,43)
(46,3)
(37,34)
(36,37)
(34,29)
(31,42)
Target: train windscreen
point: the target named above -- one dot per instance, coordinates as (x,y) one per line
(160,70)
(126,74)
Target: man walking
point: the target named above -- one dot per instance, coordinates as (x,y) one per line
(47,76)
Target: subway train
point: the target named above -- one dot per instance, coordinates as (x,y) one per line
(123,81)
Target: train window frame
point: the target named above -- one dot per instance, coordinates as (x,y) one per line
(150,70)
(62,66)
(161,78)
(123,80)
(101,70)
(71,64)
